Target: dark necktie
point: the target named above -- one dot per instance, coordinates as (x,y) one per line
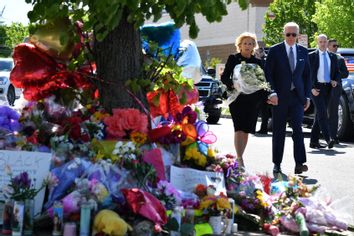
(291,59)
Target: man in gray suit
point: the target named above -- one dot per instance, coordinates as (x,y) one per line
(336,91)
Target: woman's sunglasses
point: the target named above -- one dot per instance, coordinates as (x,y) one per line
(291,34)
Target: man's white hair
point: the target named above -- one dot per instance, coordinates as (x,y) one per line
(292,24)
(322,36)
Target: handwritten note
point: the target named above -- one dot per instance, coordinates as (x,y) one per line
(35,163)
(186,179)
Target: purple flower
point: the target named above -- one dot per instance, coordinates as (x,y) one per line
(9,119)
(22,180)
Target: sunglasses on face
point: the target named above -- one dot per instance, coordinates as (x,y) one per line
(291,34)
(335,45)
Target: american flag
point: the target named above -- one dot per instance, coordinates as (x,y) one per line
(350,67)
(349,62)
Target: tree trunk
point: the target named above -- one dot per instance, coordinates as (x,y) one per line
(119,58)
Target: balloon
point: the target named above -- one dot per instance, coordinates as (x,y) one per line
(55,38)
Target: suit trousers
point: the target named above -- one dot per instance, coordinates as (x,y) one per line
(321,121)
(333,109)
(293,109)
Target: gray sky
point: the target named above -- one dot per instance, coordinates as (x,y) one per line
(15,11)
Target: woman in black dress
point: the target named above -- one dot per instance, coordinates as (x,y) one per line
(244,109)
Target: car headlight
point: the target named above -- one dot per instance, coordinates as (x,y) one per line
(3,80)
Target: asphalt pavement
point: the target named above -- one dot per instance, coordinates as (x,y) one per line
(333,168)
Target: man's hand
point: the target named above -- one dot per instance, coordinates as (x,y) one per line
(307,104)
(273,100)
(315,92)
(333,83)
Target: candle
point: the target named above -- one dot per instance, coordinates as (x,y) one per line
(58,213)
(70,229)
(85,218)
(234,228)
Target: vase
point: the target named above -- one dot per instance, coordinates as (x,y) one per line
(6,217)
(215,223)
(28,217)
(17,218)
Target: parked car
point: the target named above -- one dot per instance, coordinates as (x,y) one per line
(210,93)
(7,90)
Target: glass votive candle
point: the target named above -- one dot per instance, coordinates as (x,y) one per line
(70,229)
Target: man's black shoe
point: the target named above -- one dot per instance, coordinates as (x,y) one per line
(300,168)
(276,169)
(331,143)
(336,141)
(317,145)
(261,131)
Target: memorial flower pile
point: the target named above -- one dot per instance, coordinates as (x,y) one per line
(116,161)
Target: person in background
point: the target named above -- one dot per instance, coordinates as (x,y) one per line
(264,109)
(336,91)
(287,70)
(325,76)
(244,109)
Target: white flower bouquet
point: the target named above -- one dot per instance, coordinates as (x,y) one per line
(248,78)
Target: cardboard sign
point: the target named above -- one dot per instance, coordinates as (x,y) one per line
(36,164)
(186,179)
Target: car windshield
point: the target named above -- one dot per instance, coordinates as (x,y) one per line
(5,65)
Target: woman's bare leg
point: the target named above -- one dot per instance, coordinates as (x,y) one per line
(240,141)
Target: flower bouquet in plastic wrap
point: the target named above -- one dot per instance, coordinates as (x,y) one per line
(247,78)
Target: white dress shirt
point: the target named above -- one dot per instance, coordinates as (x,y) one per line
(287,47)
(320,71)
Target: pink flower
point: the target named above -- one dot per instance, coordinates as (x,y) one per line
(125,121)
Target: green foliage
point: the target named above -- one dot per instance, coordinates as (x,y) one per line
(335,18)
(104,15)
(212,62)
(299,11)
(10,36)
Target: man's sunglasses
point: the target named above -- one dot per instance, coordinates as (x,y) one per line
(335,45)
(291,34)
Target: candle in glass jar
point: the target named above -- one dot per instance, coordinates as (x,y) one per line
(70,229)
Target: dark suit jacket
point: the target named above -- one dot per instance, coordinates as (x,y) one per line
(315,64)
(279,75)
(343,70)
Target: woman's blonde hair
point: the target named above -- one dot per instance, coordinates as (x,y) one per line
(243,36)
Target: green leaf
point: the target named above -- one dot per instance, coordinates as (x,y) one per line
(187,229)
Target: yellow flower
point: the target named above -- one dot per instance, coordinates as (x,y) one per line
(206,202)
(138,137)
(211,152)
(98,116)
(223,203)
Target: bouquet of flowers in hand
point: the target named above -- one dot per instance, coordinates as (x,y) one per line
(247,78)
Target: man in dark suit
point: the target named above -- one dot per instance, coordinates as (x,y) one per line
(336,92)
(325,75)
(287,70)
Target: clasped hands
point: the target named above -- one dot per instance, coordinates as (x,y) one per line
(315,92)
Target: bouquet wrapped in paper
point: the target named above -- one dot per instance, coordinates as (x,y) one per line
(247,78)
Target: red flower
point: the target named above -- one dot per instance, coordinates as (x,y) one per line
(124,121)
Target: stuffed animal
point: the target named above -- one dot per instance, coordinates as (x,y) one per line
(110,223)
